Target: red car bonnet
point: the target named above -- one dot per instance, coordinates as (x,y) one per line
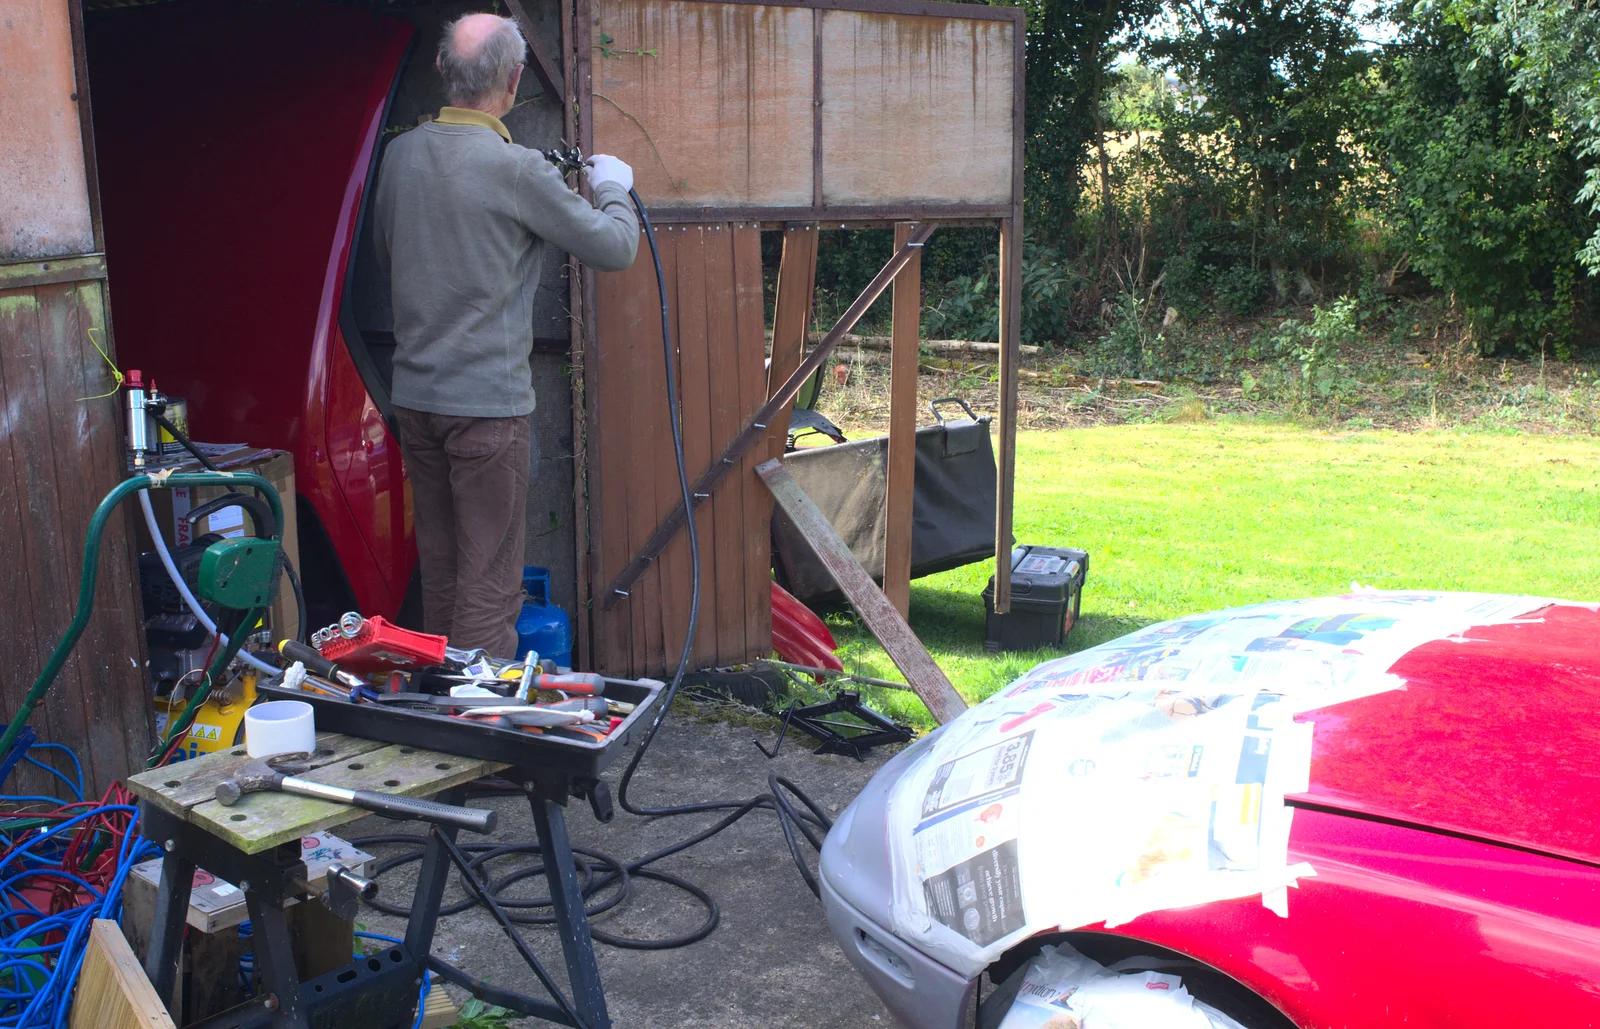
(1495,735)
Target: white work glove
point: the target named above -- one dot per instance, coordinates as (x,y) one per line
(605,168)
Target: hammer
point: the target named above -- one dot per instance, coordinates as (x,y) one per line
(258,775)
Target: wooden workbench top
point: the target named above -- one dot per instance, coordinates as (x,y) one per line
(261,821)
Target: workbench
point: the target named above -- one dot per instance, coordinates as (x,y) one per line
(256,844)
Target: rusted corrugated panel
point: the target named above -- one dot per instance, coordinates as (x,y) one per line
(59,454)
(44,199)
(713,275)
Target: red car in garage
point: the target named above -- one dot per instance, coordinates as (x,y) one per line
(1447,834)
(236,146)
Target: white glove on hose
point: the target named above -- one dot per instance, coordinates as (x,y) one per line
(605,168)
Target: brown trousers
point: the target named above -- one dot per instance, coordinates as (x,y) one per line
(469,494)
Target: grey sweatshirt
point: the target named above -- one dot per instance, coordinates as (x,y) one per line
(465,219)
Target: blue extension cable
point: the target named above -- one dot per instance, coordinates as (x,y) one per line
(36,978)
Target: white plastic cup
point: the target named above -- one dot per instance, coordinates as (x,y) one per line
(279,727)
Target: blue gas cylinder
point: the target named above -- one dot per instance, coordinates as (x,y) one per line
(542,626)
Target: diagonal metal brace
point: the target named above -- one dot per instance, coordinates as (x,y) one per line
(755,429)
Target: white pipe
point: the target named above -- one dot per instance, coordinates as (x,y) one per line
(183,588)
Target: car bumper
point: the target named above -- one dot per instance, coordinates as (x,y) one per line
(917,990)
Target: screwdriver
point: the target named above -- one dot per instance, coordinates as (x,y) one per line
(316,664)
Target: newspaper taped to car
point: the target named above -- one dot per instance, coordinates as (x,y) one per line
(1143,774)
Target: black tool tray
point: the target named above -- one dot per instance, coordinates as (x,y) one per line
(548,750)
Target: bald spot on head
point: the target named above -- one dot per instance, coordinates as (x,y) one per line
(471,31)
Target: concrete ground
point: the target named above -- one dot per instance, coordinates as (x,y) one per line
(771,962)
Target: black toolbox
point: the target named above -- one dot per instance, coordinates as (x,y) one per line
(1046,594)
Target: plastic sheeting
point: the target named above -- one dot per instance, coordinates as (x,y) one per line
(1143,774)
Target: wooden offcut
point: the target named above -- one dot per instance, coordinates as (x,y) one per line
(900,470)
(113,992)
(879,616)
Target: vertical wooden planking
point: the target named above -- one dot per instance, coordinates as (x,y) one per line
(902,463)
(695,374)
(89,702)
(791,319)
(21,630)
(727,503)
(625,322)
(119,668)
(756,560)
(643,420)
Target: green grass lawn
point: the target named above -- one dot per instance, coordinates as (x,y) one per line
(1179,519)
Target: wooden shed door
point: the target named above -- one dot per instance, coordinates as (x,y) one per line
(713,280)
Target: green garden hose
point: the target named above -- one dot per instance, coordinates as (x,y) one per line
(91,574)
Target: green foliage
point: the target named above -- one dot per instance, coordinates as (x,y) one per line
(475,1014)
(968,307)
(1550,49)
(1307,351)
(1482,187)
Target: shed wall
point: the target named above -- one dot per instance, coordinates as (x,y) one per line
(713,276)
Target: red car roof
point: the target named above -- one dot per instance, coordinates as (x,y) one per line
(1496,735)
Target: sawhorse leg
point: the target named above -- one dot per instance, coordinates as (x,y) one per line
(171,915)
(275,961)
(566,897)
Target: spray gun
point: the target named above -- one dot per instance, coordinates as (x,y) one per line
(567,159)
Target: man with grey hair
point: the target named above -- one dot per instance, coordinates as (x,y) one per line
(466,220)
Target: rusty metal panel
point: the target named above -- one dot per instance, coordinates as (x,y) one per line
(44,197)
(916,109)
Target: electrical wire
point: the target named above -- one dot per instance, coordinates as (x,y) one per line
(55,883)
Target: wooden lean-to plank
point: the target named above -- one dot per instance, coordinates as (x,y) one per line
(113,991)
(728,503)
(709,102)
(902,463)
(695,374)
(791,320)
(749,312)
(880,617)
(916,108)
